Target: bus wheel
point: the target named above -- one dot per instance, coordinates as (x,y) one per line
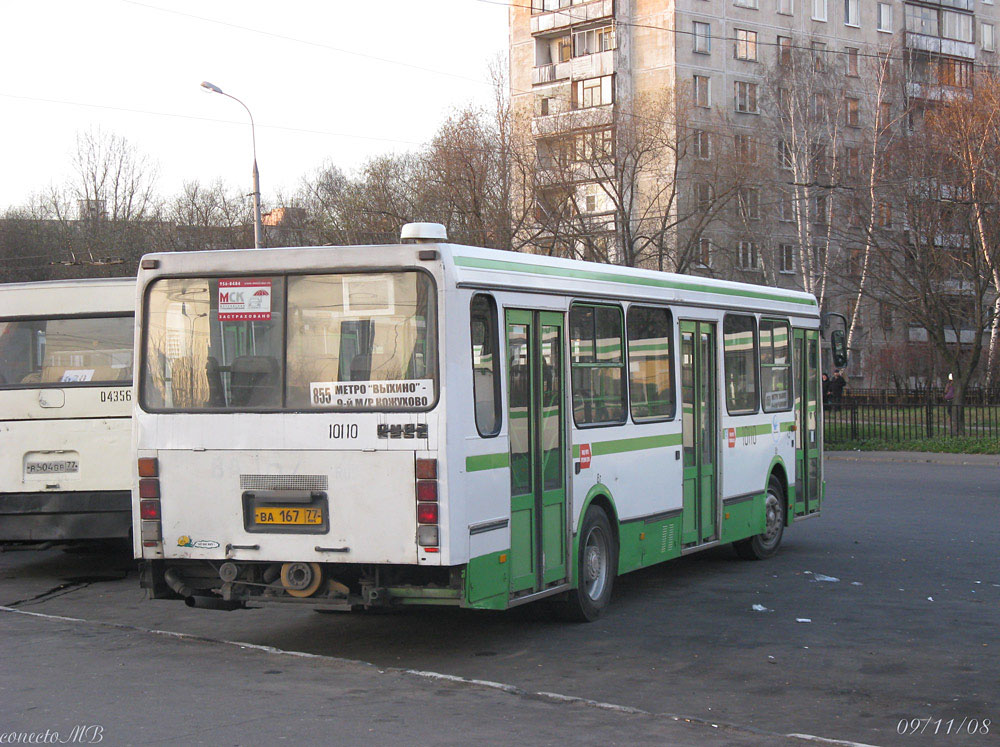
(765,544)
(595,568)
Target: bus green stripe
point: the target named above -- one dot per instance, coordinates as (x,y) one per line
(599,448)
(487,461)
(509,266)
(760,430)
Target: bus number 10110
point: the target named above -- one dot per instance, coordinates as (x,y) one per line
(343,430)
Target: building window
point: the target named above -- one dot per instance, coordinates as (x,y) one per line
(821,207)
(739,340)
(565,49)
(703,194)
(749,203)
(852,13)
(852,61)
(921,20)
(786,209)
(784,155)
(593,41)
(884,18)
(989,45)
(745,97)
(786,7)
(852,161)
(956,26)
(786,259)
(702,38)
(593,92)
(702,91)
(746,45)
(883,215)
(775,365)
(818,55)
(819,10)
(746,148)
(745,4)
(597,364)
(705,252)
(851,112)
(784,51)
(485,365)
(958,73)
(702,144)
(747,256)
(650,380)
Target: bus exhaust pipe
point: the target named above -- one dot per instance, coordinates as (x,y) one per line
(179,587)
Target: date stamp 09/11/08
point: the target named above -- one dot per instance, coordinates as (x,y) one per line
(931,725)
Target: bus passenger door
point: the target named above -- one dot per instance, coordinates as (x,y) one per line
(700,430)
(538,524)
(807,420)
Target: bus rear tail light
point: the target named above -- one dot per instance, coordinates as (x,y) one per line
(149,502)
(149,510)
(149,467)
(427,538)
(427,513)
(427,490)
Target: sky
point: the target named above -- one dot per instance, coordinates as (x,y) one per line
(326,81)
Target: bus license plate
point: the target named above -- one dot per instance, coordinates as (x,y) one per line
(285,515)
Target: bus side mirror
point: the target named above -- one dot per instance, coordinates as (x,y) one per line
(838,348)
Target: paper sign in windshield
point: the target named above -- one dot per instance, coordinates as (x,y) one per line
(248,299)
(374,395)
(78,374)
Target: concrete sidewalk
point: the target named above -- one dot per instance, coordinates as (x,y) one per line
(917,457)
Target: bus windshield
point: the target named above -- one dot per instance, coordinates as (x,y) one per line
(346,342)
(66,352)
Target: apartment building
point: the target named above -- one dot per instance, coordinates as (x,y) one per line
(574,64)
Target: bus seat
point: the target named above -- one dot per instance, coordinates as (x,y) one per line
(216,394)
(361,368)
(253,381)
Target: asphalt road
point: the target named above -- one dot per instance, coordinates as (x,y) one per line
(908,630)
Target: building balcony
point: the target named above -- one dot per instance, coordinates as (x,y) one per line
(938,45)
(578,68)
(575,14)
(576,119)
(936,91)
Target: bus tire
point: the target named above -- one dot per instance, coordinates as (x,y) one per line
(596,566)
(765,544)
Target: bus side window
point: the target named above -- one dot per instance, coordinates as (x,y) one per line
(739,340)
(775,365)
(485,372)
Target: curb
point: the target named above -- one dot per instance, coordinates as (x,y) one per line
(914,457)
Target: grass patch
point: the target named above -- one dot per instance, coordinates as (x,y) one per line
(938,444)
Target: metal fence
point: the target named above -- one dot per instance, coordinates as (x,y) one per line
(973,396)
(854,419)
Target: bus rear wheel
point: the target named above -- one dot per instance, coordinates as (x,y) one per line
(596,565)
(765,544)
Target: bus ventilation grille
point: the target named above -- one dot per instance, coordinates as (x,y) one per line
(283,482)
(668,538)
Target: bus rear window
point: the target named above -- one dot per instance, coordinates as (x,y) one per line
(61,352)
(344,342)
(213,343)
(360,342)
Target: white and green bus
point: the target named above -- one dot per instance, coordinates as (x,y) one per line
(66,410)
(428,423)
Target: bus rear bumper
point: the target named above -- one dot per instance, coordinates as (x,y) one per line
(65,516)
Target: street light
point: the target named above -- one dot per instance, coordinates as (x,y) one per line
(257,230)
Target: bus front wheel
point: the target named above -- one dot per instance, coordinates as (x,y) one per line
(765,544)
(596,565)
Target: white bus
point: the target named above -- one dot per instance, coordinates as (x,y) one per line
(66,410)
(428,423)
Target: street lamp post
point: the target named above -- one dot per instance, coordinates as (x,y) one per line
(257,229)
